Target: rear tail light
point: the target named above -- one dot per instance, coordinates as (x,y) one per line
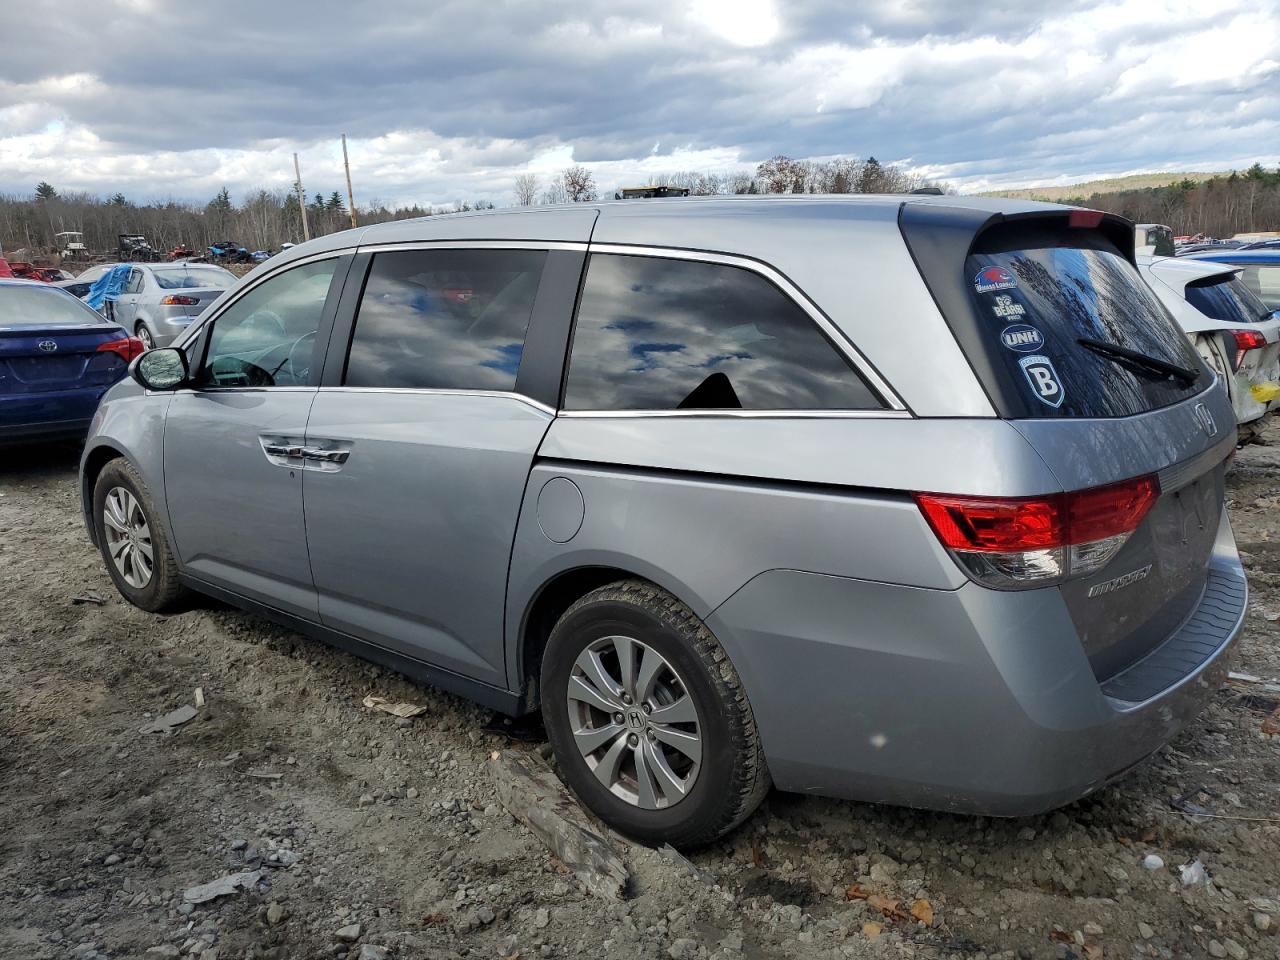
(1015,543)
(1247,340)
(174,300)
(127,347)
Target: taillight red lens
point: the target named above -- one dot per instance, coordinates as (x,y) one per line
(1249,339)
(127,347)
(991,524)
(174,300)
(1015,524)
(1107,511)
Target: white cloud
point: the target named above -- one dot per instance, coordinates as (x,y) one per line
(441,102)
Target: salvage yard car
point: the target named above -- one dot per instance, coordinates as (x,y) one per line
(160,301)
(914,500)
(57,358)
(1231,329)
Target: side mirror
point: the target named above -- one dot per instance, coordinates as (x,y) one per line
(161,369)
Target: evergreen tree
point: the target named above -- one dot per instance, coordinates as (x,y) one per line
(45,191)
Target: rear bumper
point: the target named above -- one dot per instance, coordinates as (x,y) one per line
(972,700)
(60,413)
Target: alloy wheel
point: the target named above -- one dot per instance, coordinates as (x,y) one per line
(128,537)
(634,722)
(144,335)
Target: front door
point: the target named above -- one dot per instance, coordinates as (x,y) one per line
(232,444)
(430,433)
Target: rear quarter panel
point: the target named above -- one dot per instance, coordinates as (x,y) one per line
(701,506)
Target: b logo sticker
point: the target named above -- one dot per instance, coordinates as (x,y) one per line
(1043,379)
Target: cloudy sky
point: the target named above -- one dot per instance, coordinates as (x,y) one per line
(451,100)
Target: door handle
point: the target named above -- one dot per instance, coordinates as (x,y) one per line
(325,456)
(282,450)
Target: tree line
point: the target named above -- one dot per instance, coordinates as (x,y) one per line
(265,219)
(1244,202)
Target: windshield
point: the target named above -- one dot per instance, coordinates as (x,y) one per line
(43,306)
(185,278)
(1226,298)
(1035,305)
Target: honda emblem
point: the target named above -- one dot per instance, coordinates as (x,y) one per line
(1205,419)
(48,346)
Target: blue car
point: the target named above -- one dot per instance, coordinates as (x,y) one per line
(1260,270)
(57,357)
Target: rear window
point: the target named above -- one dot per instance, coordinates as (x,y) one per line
(1226,298)
(47,306)
(1034,298)
(188,278)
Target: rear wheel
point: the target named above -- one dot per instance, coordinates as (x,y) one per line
(133,539)
(144,335)
(648,719)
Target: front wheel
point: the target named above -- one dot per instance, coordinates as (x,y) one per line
(133,539)
(648,719)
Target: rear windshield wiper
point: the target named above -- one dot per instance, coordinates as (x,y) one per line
(1141,361)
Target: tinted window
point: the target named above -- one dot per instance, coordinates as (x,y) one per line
(1226,298)
(135,282)
(1033,306)
(658,334)
(444,319)
(267,338)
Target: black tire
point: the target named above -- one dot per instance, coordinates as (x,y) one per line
(733,777)
(163,591)
(144,334)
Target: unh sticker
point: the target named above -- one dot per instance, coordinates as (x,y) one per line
(1022,338)
(993,278)
(1006,308)
(1043,378)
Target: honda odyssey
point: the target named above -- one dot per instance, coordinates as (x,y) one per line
(914,500)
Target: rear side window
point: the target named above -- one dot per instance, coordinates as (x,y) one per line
(1226,298)
(1033,307)
(444,319)
(664,334)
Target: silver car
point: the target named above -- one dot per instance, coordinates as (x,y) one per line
(160,300)
(908,499)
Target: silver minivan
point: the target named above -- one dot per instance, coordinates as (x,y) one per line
(915,500)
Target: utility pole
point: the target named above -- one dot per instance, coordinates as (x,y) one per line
(302,199)
(351,197)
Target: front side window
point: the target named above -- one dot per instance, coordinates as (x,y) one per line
(665,334)
(267,338)
(444,319)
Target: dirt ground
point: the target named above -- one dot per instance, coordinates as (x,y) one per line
(382,837)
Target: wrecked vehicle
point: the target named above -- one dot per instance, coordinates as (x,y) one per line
(915,500)
(1231,329)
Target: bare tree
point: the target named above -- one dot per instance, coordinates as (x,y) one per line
(526,189)
(579,185)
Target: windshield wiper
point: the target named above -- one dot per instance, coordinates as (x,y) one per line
(1141,361)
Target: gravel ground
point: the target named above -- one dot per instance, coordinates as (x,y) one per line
(382,837)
